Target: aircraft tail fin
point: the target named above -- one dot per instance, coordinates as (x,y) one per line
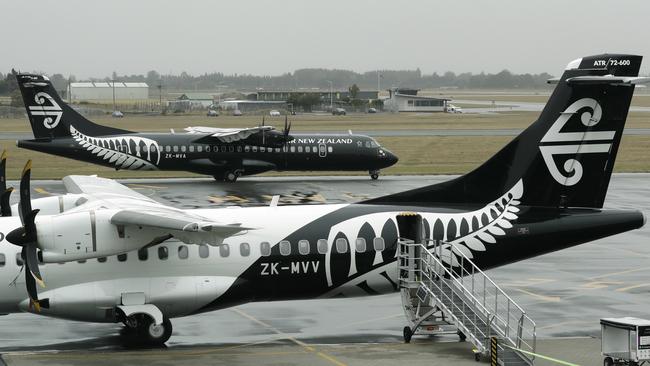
(49,116)
(566,157)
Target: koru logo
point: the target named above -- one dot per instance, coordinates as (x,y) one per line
(572,169)
(52,112)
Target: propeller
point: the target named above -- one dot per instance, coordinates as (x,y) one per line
(25,237)
(5,193)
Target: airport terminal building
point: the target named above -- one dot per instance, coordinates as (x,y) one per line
(408,100)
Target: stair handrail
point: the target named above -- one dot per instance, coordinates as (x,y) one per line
(519,340)
(423,249)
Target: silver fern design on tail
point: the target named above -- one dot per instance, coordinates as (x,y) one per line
(469,233)
(124,152)
(484,226)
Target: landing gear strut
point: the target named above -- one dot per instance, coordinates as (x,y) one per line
(142,330)
(374,174)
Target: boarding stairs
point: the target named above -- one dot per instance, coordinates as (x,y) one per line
(443,291)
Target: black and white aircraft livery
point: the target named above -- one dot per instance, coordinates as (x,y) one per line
(109,254)
(224,153)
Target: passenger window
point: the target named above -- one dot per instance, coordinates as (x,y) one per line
(314,149)
(101,259)
(19,260)
(143,254)
(204,251)
(137,149)
(191,148)
(3,260)
(368,144)
(307,149)
(163,253)
(285,247)
(231,148)
(284,148)
(379,244)
(293,149)
(183,148)
(254,148)
(153,148)
(207,148)
(168,148)
(183,252)
(244,249)
(277,149)
(224,250)
(329,149)
(238,148)
(223,148)
(322,246)
(199,148)
(121,257)
(341,245)
(303,247)
(265,248)
(361,245)
(299,149)
(175,148)
(262,149)
(247,148)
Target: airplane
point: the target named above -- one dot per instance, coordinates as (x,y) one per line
(108,254)
(224,153)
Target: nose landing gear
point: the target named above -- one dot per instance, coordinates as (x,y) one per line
(374,174)
(229,176)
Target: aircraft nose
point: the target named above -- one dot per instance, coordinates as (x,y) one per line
(391,158)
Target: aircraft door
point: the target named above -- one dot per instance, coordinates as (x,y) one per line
(322,150)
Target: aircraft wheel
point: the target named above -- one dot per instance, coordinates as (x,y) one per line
(152,334)
(374,174)
(231,176)
(407,334)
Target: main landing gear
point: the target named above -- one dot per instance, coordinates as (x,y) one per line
(141,330)
(229,176)
(374,174)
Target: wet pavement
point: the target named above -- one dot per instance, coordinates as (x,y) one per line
(565,293)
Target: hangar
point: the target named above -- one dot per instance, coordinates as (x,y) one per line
(408,100)
(103,90)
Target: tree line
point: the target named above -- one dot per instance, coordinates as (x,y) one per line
(311,78)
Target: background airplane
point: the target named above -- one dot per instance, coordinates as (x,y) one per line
(129,259)
(224,153)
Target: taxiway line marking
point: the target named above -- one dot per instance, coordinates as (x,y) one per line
(623,289)
(620,272)
(292,339)
(42,191)
(542,297)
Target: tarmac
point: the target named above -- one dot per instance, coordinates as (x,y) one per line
(565,293)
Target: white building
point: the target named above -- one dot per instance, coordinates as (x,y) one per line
(407,100)
(104,91)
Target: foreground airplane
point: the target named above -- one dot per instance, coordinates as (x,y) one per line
(224,153)
(110,254)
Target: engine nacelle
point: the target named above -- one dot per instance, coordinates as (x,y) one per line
(55,204)
(88,234)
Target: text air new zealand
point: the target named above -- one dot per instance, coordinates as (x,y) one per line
(144,263)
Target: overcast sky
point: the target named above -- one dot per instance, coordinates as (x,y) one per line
(95,38)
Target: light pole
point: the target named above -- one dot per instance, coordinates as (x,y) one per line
(331,97)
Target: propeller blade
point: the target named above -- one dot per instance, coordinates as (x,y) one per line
(30,284)
(31,258)
(5,193)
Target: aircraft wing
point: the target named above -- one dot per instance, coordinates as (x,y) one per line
(134,209)
(228,135)
(97,187)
